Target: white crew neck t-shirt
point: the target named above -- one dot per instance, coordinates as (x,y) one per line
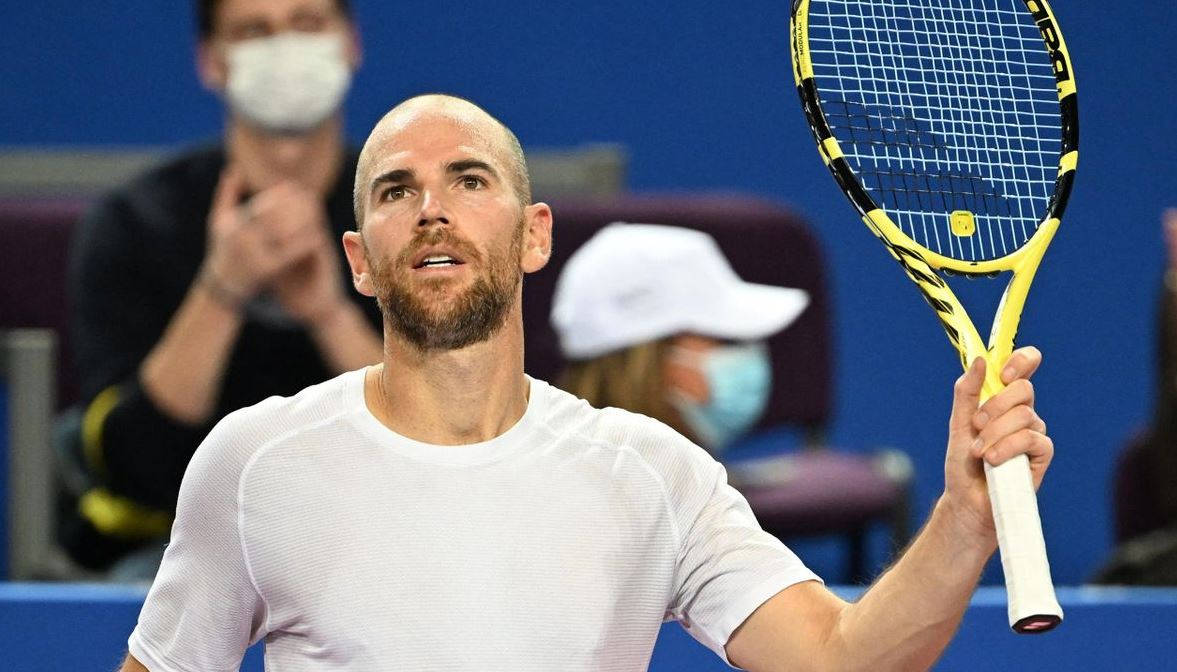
(562,544)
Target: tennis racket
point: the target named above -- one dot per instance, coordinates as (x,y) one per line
(952,126)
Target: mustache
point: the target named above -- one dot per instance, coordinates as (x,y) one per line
(438,236)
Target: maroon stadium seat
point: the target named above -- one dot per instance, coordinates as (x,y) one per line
(34,254)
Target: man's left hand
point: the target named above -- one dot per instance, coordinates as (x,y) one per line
(1006,425)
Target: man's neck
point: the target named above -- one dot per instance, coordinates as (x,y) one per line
(451,397)
(312,159)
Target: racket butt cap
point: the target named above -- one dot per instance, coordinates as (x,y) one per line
(1037,624)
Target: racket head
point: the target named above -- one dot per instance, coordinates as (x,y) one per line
(951,126)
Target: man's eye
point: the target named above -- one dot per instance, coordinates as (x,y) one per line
(472,182)
(394,193)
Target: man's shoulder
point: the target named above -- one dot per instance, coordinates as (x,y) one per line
(568,414)
(186,179)
(245,433)
(656,443)
(308,407)
(199,164)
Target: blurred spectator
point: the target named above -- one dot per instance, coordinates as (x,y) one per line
(1145,488)
(215,280)
(1162,449)
(1147,497)
(654,320)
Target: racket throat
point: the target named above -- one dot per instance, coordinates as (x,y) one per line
(936,292)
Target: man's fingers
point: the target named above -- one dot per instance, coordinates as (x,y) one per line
(304,237)
(280,254)
(966,395)
(1018,393)
(230,189)
(1009,423)
(1035,445)
(299,247)
(286,211)
(1021,364)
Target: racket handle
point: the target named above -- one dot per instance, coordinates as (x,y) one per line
(1033,607)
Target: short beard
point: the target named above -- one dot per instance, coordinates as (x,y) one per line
(474,317)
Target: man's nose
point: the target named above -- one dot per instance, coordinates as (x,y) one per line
(432,209)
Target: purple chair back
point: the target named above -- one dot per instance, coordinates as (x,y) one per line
(34,255)
(764,242)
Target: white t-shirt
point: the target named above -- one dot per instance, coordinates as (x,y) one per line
(562,544)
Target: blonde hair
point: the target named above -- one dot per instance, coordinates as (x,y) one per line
(631,379)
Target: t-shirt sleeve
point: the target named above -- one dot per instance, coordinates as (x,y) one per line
(204,609)
(728,566)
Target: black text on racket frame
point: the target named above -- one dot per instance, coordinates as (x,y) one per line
(878,118)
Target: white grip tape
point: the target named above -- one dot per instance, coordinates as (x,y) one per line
(1019,535)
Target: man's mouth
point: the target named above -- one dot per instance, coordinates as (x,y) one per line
(435,259)
(438,260)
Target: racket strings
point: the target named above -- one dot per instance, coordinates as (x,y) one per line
(942,191)
(942,105)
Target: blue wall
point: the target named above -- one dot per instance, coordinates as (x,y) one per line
(703,98)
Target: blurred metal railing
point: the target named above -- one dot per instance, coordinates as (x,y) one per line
(27,364)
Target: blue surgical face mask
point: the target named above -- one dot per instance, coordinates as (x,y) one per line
(739,381)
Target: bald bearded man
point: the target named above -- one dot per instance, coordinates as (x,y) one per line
(444,511)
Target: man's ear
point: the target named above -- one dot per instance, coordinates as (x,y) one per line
(537,237)
(211,66)
(357,259)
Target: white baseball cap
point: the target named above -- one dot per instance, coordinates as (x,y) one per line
(634,283)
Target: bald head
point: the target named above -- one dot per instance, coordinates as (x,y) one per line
(457,110)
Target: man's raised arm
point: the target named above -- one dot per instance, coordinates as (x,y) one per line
(906,619)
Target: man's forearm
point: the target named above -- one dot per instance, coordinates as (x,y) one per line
(906,619)
(182,374)
(346,339)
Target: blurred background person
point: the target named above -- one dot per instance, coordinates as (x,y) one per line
(654,320)
(214,280)
(1152,503)
(1161,450)
(1145,483)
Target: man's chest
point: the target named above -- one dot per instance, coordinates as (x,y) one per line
(571,557)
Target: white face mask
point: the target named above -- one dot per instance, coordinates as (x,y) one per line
(290,82)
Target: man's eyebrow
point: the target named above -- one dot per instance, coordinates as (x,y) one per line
(398,175)
(470,164)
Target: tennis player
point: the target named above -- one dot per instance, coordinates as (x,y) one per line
(444,511)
